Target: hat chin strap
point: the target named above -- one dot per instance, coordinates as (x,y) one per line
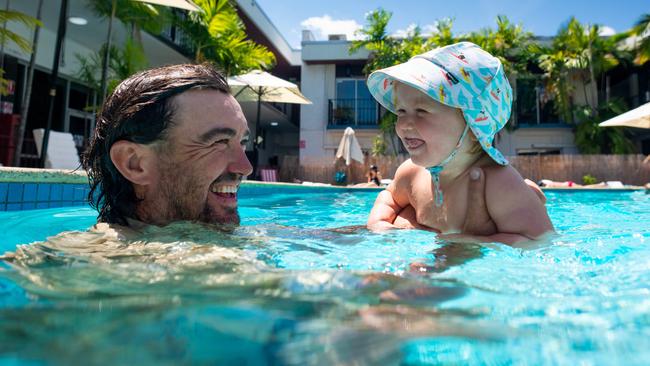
(436,170)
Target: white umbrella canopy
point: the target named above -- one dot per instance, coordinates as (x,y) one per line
(181,4)
(638,118)
(349,148)
(261,86)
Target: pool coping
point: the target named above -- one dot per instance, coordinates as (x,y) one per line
(66,176)
(34,175)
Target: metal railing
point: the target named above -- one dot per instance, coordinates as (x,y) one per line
(353,112)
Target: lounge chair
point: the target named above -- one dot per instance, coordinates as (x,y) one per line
(269,175)
(61,150)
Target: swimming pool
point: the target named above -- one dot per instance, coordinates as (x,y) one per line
(287,289)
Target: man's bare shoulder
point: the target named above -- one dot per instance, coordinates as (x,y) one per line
(499,178)
(504,186)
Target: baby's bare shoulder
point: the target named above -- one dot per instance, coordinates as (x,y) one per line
(407,173)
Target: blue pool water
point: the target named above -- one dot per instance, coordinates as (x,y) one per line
(291,287)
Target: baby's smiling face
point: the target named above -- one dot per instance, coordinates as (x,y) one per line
(429,130)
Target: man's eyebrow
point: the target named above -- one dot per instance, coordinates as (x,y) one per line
(209,135)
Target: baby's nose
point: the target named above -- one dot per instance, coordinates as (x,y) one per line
(403,123)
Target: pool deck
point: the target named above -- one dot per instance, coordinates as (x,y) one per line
(32,175)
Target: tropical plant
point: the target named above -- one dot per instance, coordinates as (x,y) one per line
(508,42)
(443,34)
(124,62)
(593,139)
(578,50)
(378,146)
(589,179)
(135,15)
(219,36)
(28,87)
(385,51)
(556,72)
(8,35)
(642,31)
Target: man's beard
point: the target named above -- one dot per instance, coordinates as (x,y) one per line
(183,198)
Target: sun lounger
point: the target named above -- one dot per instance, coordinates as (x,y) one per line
(61,150)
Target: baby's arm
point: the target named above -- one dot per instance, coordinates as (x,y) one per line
(391,201)
(516,210)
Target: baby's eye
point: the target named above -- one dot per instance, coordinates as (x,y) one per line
(421,111)
(400,112)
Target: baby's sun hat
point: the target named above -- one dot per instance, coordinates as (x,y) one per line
(460,75)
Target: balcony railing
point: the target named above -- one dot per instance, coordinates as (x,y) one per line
(360,113)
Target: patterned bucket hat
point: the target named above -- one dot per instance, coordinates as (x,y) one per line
(460,75)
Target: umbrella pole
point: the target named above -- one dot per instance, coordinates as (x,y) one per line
(102,86)
(257,132)
(257,119)
(60,35)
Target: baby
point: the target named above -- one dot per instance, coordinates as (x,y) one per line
(450,103)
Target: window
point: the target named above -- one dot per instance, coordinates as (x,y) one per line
(354,105)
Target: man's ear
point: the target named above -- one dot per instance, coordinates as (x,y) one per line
(134,161)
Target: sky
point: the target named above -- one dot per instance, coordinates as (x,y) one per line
(541,17)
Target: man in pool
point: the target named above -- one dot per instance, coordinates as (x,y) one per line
(169,145)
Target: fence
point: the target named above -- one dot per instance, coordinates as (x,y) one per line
(628,169)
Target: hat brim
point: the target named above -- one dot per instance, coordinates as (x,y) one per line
(435,84)
(417,73)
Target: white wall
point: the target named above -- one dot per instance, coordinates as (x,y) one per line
(45,50)
(542,138)
(317,84)
(331,51)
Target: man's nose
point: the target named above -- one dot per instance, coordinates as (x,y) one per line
(240,164)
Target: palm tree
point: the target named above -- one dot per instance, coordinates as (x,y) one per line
(25,45)
(135,16)
(580,52)
(124,62)
(6,34)
(386,51)
(642,30)
(219,36)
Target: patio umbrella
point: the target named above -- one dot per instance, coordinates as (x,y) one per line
(260,86)
(349,148)
(181,4)
(638,118)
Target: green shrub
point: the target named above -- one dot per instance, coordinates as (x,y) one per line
(589,179)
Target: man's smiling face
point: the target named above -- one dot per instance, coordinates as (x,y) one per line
(201,161)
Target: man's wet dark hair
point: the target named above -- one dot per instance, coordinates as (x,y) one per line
(140,111)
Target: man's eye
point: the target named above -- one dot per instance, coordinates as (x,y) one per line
(222,141)
(244,142)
